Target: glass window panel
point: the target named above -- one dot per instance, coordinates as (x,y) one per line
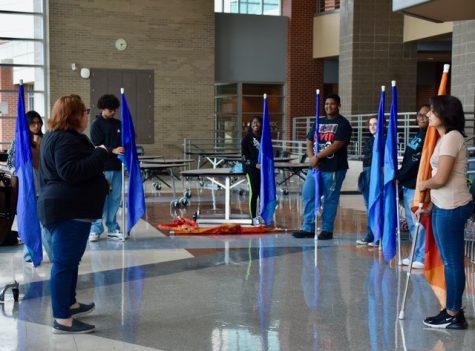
(30,75)
(226,89)
(254,9)
(218,5)
(271,9)
(254,104)
(21,26)
(226,104)
(21,52)
(21,5)
(259,89)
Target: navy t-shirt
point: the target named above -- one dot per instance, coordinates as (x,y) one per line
(336,129)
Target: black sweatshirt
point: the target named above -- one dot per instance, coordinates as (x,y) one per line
(72,185)
(107,132)
(250,150)
(407,174)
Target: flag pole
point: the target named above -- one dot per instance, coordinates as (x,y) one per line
(124,228)
(317,172)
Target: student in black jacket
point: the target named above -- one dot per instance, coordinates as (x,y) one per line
(407,177)
(72,194)
(250,153)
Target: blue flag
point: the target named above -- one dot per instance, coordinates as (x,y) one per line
(316,149)
(375,201)
(266,160)
(135,197)
(27,217)
(390,163)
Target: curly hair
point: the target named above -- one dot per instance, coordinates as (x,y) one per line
(108,101)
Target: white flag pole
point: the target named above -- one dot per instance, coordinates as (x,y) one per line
(123,186)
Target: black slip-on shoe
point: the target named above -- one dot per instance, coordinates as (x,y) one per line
(83,309)
(445,321)
(324,235)
(303,234)
(77,327)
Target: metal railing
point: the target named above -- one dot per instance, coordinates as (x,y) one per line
(406,129)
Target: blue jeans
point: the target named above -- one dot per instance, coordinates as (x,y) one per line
(69,243)
(420,248)
(330,186)
(46,241)
(111,205)
(449,228)
(363,187)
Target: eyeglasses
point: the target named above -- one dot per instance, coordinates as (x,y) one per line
(87,111)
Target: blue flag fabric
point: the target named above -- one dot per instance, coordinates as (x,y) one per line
(316,149)
(135,197)
(375,202)
(390,163)
(266,160)
(27,217)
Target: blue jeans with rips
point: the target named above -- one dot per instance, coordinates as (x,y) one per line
(420,248)
(330,186)
(69,239)
(111,205)
(449,226)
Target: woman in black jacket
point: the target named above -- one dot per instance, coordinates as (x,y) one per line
(250,154)
(73,189)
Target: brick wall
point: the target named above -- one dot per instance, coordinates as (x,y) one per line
(372,54)
(304,73)
(173,38)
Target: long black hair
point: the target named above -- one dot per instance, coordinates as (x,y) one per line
(249,128)
(30,117)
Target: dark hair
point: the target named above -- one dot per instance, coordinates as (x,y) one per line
(425,105)
(66,113)
(334,97)
(449,109)
(249,128)
(31,116)
(108,101)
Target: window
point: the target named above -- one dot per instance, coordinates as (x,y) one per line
(251,7)
(22,57)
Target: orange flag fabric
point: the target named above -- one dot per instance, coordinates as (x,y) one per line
(433,266)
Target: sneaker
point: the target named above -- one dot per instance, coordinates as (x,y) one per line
(78,327)
(115,235)
(445,321)
(303,234)
(83,309)
(363,241)
(405,262)
(256,221)
(324,235)
(417,265)
(93,237)
(374,244)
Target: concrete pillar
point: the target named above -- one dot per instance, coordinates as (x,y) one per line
(372,53)
(463,63)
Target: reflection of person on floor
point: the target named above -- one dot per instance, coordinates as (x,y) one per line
(452,204)
(106,130)
(72,193)
(406,177)
(250,154)
(363,179)
(333,137)
(310,279)
(381,288)
(35,123)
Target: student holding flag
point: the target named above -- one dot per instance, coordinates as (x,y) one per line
(106,130)
(452,204)
(73,190)
(333,137)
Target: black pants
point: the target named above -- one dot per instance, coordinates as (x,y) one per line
(254,180)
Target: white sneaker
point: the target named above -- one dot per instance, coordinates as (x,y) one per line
(256,221)
(417,265)
(93,237)
(115,235)
(405,262)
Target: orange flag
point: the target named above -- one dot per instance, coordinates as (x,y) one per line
(433,266)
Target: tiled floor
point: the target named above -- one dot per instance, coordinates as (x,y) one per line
(267,292)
